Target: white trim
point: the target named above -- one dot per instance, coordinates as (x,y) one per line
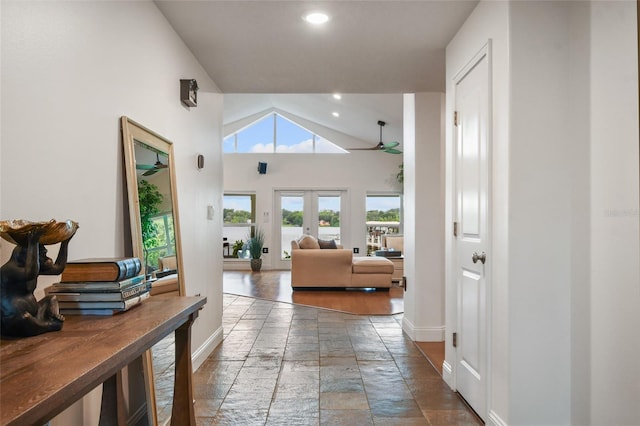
(201,354)
(423,334)
(430,334)
(447,375)
(494,419)
(409,328)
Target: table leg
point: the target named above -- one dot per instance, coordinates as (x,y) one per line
(112,406)
(182,413)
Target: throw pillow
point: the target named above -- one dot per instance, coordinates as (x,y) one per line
(330,244)
(308,242)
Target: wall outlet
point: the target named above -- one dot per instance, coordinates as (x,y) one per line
(265,250)
(356,250)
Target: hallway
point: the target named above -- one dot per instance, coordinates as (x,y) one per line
(283,364)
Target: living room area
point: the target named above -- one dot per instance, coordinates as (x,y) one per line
(291,172)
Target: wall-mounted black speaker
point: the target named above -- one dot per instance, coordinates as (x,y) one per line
(262,168)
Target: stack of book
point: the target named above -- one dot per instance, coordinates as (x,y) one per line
(100,286)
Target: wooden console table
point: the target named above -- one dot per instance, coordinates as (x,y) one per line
(43,375)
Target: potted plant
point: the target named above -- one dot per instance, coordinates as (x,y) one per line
(255,245)
(237,248)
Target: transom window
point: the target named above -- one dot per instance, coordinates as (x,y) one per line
(275,133)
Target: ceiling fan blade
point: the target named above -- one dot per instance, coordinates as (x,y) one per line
(150,172)
(392,151)
(145,167)
(390,145)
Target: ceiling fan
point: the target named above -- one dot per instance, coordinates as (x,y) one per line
(152,169)
(389,147)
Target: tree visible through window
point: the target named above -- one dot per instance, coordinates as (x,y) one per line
(239,217)
(384,213)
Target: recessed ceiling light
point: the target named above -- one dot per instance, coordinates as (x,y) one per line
(316,18)
(337,96)
(335,114)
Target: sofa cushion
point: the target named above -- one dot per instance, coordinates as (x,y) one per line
(308,242)
(372,265)
(169,262)
(327,244)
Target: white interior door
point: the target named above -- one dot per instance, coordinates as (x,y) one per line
(472,237)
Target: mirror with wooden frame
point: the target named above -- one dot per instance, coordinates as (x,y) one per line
(155,235)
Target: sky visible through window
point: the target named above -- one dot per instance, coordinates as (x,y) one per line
(291,138)
(238,202)
(382,203)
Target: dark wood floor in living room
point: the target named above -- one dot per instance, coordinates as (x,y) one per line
(276,285)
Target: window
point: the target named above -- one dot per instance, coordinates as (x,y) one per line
(384,213)
(275,133)
(239,212)
(162,243)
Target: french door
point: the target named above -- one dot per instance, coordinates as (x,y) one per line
(318,213)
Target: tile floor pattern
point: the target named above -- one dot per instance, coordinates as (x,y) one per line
(282,364)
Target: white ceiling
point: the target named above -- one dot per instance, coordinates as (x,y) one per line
(367,47)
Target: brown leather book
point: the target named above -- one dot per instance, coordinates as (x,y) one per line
(101,269)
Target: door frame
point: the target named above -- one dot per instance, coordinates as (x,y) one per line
(484,52)
(310,196)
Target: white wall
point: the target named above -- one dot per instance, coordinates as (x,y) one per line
(360,173)
(69,71)
(615,235)
(423,318)
(566,286)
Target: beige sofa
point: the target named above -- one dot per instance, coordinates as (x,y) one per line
(315,267)
(166,283)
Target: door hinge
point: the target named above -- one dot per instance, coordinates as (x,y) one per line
(455,229)
(455,118)
(455,340)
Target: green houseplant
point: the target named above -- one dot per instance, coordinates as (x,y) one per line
(255,245)
(150,199)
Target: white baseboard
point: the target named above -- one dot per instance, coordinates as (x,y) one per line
(201,354)
(430,334)
(447,374)
(423,334)
(494,419)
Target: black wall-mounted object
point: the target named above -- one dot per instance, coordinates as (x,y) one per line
(262,168)
(189,92)
(200,161)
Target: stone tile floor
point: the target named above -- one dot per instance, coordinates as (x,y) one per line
(283,364)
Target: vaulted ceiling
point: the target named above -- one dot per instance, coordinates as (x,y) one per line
(367,47)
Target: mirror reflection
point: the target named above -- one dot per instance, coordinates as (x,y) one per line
(155,238)
(156,217)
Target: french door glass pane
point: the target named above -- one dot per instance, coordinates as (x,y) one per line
(329,218)
(292,223)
